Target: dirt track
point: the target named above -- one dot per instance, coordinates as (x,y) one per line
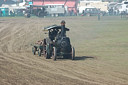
(18,66)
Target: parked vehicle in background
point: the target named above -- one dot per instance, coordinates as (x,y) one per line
(4,11)
(46,10)
(125,2)
(82,8)
(124,8)
(111,8)
(93,12)
(116,8)
(55,9)
(37,10)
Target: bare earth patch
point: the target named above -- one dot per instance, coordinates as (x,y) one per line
(101,52)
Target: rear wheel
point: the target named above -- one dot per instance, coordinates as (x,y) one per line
(73,53)
(54,54)
(34,50)
(44,50)
(46,53)
(39,52)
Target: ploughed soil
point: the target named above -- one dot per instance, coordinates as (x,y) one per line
(95,63)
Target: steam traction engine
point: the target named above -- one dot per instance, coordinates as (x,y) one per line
(57,43)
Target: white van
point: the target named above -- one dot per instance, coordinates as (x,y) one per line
(124,7)
(82,8)
(55,9)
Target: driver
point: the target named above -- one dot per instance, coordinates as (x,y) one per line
(63,29)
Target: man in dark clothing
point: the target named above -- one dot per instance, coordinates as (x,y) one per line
(63,29)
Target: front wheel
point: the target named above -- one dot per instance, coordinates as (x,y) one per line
(54,53)
(73,53)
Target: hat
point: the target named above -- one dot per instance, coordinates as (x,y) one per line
(62,21)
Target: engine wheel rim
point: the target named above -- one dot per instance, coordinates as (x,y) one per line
(54,54)
(73,53)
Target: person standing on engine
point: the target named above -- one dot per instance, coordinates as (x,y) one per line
(63,29)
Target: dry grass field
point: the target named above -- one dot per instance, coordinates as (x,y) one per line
(101,52)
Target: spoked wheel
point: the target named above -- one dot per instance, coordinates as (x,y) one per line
(34,50)
(39,52)
(54,54)
(73,53)
(45,52)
